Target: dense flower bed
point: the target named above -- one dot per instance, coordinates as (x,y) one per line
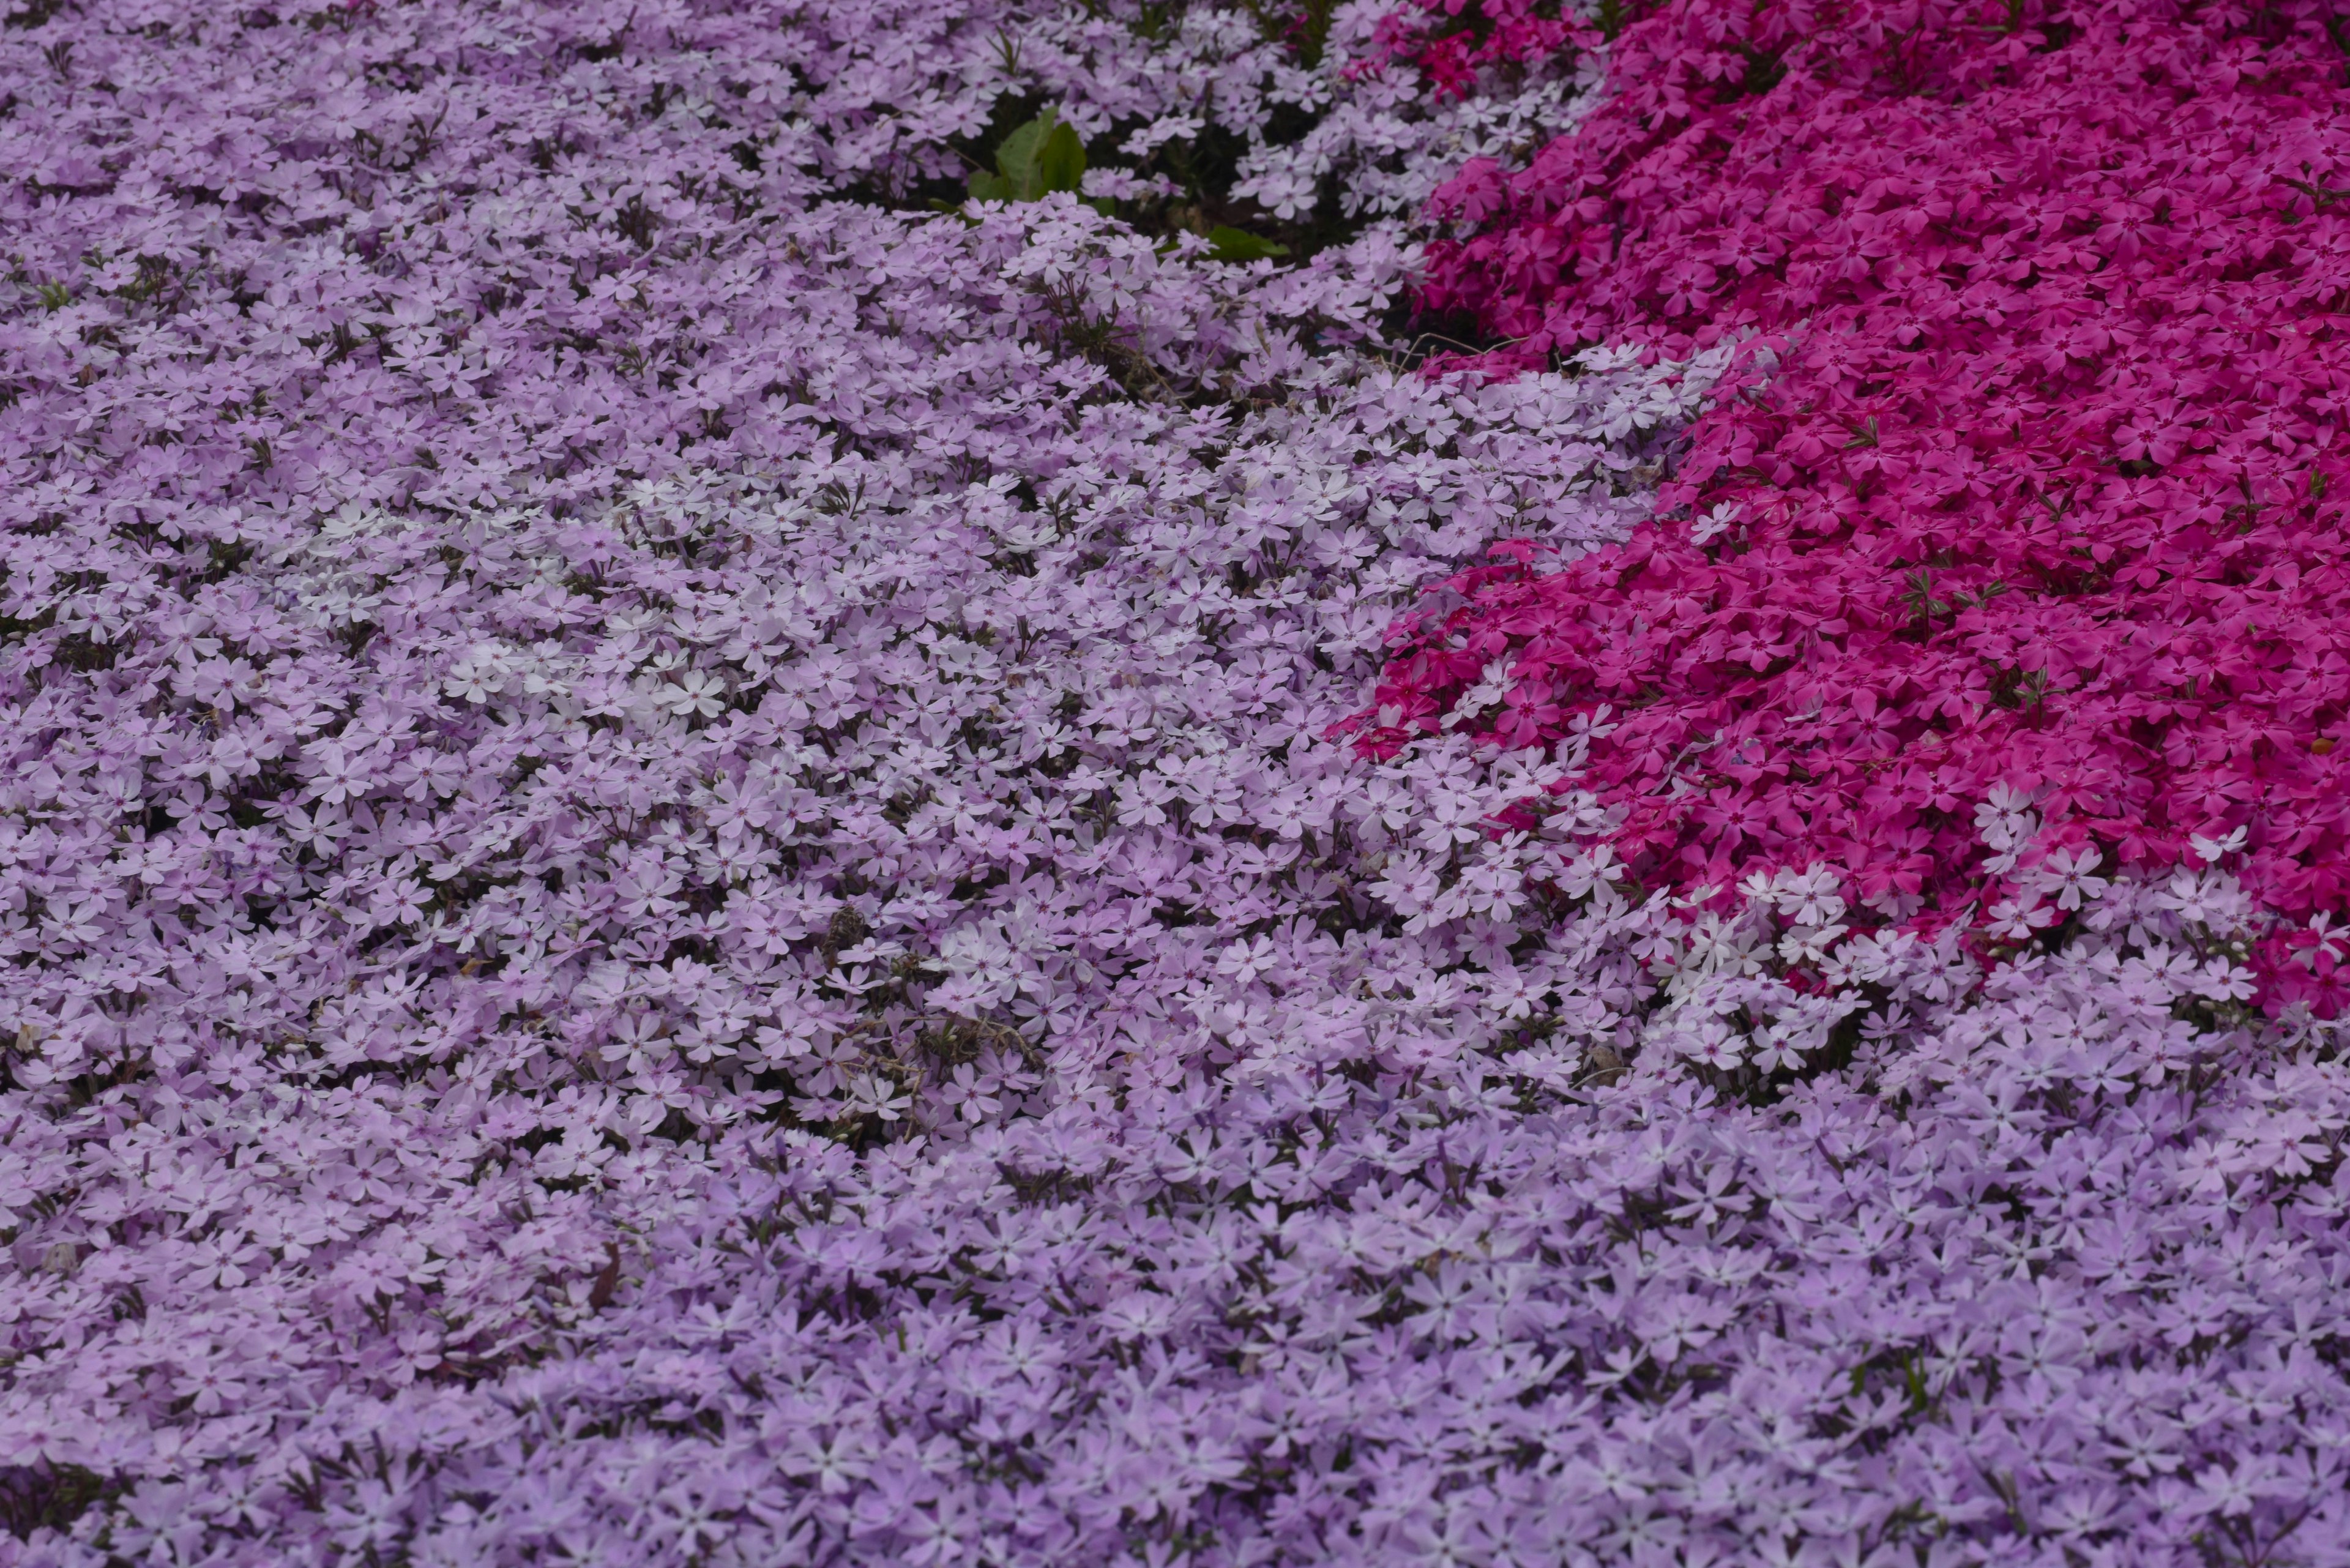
(2041,496)
(677,886)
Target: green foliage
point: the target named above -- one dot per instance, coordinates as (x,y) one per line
(1038,158)
(1230,244)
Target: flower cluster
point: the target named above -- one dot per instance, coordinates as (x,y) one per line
(676,887)
(1395,117)
(1455,44)
(2041,491)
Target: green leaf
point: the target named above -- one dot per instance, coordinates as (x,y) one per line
(1061,162)
(1016,156)
(1230,244)
(1036,159)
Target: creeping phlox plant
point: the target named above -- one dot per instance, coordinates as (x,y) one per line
(2043,493)
(1396,113)
(677,886)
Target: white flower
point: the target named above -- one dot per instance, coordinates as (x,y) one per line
(2066,874)
(1809,944)
(694,692)
(2015,921)
(1714,523)
(2209,850)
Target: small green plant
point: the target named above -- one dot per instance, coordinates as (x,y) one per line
(1230,244)
(1924,605)
(1921,600)
(1038,159)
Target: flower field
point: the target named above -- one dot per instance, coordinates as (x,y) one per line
(1033,783)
